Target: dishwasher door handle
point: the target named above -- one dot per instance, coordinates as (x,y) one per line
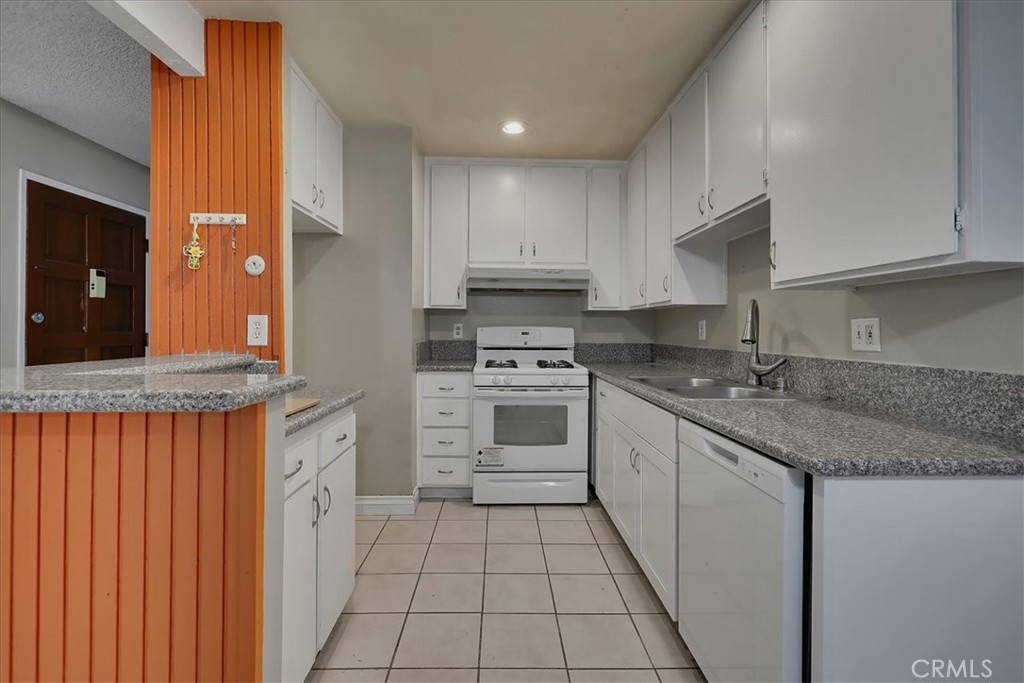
(716,450)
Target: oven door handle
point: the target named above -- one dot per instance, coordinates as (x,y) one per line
(580,393)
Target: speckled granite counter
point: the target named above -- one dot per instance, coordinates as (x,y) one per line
(185,383)
(436,365)
(331,401)
(830,439)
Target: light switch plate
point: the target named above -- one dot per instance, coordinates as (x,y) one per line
(257,334)
(865,334)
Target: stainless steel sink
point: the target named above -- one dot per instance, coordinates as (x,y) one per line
(729,392)
(669,382)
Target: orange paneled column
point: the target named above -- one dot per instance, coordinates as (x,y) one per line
(217,146)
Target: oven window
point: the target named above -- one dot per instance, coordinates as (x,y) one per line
(531,425)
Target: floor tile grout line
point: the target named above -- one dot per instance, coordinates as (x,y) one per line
(405,620)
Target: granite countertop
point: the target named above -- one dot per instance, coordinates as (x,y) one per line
(331,401)
(183,383)
(827,438)
(438,365)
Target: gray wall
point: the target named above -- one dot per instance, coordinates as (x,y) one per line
(34,144)
(971,322)
(352,300)
(547,308)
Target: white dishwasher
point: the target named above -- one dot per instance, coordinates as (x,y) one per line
(740,559)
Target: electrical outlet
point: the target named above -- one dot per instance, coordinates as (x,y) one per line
(457,331)
(702,330)
(865,334)
(256,334)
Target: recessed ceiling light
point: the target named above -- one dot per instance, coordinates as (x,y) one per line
(513,127)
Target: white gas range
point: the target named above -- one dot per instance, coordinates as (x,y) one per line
(530,417)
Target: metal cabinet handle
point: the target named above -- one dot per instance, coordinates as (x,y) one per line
(317,504)
(446,471)
(602,394)
(771,256)
(636,463)
(446,413)
(341,438)
(458,293)
(327,508)
(446,388)
(321,199)
(38,317)
(595,293)
(298,466)
(534,248)
(520,248)
(664,283)
(632,451)
(314,194)
(700,204)
(711,193)
(446,443)
(643,289)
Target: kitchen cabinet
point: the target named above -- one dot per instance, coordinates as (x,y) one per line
(626,487)
(497,214)
(604,458)
(336,541)
(689,160)
(556,215)
(658,214)
(443,431)
(656,543)
(299,622)
(449,228)
(737,147)
(636,229)
(604,243)
(316,159)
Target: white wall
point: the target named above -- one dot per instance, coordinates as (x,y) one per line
(970,322)
(34,144)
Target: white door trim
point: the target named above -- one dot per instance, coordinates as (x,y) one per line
(23,177)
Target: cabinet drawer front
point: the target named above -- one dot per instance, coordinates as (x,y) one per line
(446,442)
(300,465)
(445,472)
(651,423)
(445,412)
(445,386)
(337,439)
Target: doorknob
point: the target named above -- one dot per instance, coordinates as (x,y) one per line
(38,317)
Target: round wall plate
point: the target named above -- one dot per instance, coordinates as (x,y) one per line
(255,265)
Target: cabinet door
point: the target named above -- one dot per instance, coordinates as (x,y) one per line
(497,214)
(626,485)
(636,229)
(556,215)
(876,115)
(604,243)
(449,229)
(328,167)
(689,160)
(336,538)
(656,547)
(736,117)
(604,477)
(659,221)
(299,627)
(302,113)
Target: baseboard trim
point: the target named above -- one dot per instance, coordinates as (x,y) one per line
(435,492)
(387,505)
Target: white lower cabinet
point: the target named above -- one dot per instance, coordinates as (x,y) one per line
(638,483)
(299,623)
(335,551)
(443,414)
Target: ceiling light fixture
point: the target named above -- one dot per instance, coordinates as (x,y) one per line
(513,128)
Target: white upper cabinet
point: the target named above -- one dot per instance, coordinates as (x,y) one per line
(556,215)
(316,160)
(636,230)
(604,244)
(689,160)
(497,214)
(449,227)
(736,84)
(659,221)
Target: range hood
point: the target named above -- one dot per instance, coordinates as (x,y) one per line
(528,279)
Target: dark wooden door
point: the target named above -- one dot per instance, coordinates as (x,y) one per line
(67,236)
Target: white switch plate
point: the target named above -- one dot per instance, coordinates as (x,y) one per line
(457,331)
(256,334)
(702,330)
(865,334)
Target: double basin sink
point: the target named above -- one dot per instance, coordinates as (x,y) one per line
(709,388)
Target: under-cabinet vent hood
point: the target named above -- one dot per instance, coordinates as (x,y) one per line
(529,279)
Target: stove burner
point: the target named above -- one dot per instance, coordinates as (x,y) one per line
(554,364)
(501,364)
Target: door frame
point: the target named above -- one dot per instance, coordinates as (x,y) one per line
(23,177)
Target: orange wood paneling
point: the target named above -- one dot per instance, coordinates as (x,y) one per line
(131,546)
(217,146)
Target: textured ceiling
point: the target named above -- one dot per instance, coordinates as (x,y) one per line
(65,62)
(588,77)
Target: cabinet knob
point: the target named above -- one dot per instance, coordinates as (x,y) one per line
(298,466)
(341,438)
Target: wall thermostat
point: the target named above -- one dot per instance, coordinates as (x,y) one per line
(255,265)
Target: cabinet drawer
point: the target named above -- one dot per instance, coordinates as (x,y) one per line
(443,441)
(445,386)
(300,465)
(445,412)
(445,472)
(337,439)
(651,423)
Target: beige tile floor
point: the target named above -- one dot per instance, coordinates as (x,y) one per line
(500,594)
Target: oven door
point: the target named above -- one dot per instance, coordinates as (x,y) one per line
(530,430)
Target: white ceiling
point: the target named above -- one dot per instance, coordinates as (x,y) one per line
(65,62)
(588,77)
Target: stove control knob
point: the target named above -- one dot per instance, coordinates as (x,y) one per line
(495,380)
(554,380)
(565,381)
(507,380)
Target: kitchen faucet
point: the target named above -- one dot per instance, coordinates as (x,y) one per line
(750,333)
